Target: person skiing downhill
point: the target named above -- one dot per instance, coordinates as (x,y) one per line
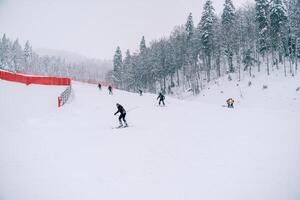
(140,92)
(110,89)
(99,86)
(122,112)
(161,98)
(230,102)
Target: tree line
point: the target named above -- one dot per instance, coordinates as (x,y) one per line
(15,58)
(264,36)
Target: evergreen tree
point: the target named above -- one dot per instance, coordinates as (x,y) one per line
(178,43)
(5,53)
(206,29)
(17,55)
(27,55)
(294,21)
(217,46)
(261,18)
(277,20)
(228,20)
(143,45)
(127,70)
(189,27)
(118,66)
(127,58)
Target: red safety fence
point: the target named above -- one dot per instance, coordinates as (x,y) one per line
(27,79)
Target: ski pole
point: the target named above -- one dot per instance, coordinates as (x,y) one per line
(132,109)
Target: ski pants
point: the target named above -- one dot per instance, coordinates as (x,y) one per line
(230,105)
(122,117)
(161,100)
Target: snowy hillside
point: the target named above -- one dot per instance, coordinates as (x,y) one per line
(67,55)
(190,149)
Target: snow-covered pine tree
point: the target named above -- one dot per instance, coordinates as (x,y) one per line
(246,31)
(206,29)
(27,55)
(144,65)
(261,19)
(191,57)
(5,50)
(189,26)
(294,22)
(178,42)
(17,53)
(217,41)
(143,45)
(228,22)
(277,20)
(117,70)
(127,70)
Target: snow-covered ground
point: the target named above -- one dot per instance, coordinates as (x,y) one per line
(190,149)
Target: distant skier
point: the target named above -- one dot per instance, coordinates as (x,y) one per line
(110,90)
(122,112)
(140,92)
(161,98)
(99,86)
(230,102)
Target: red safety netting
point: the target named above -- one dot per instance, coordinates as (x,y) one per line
(27,79)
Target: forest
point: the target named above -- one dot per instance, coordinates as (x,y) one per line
(261,37)
(15,58)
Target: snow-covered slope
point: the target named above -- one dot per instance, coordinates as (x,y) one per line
(280,93)
(190,149)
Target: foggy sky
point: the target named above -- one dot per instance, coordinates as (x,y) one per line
(95,28)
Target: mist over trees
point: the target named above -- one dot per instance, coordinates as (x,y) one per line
(261,37)
(15,58)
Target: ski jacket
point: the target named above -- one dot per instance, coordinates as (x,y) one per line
(120,110)
(161,96)
(230,100)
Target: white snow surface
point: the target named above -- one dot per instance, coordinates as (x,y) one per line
(189,150)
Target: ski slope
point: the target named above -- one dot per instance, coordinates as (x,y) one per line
(190,149)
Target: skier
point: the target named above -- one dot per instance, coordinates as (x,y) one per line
(140,92)
(230,102)
(122,112)
(99,86)
(110,89)
(161,98)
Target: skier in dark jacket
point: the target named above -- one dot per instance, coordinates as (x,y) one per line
(140,92)
(99,86)
(110,89)
(161,98)
(230,102)
(122,112)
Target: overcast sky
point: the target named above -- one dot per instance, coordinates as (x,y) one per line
(95,28)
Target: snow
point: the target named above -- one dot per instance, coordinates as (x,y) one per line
(190,149)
